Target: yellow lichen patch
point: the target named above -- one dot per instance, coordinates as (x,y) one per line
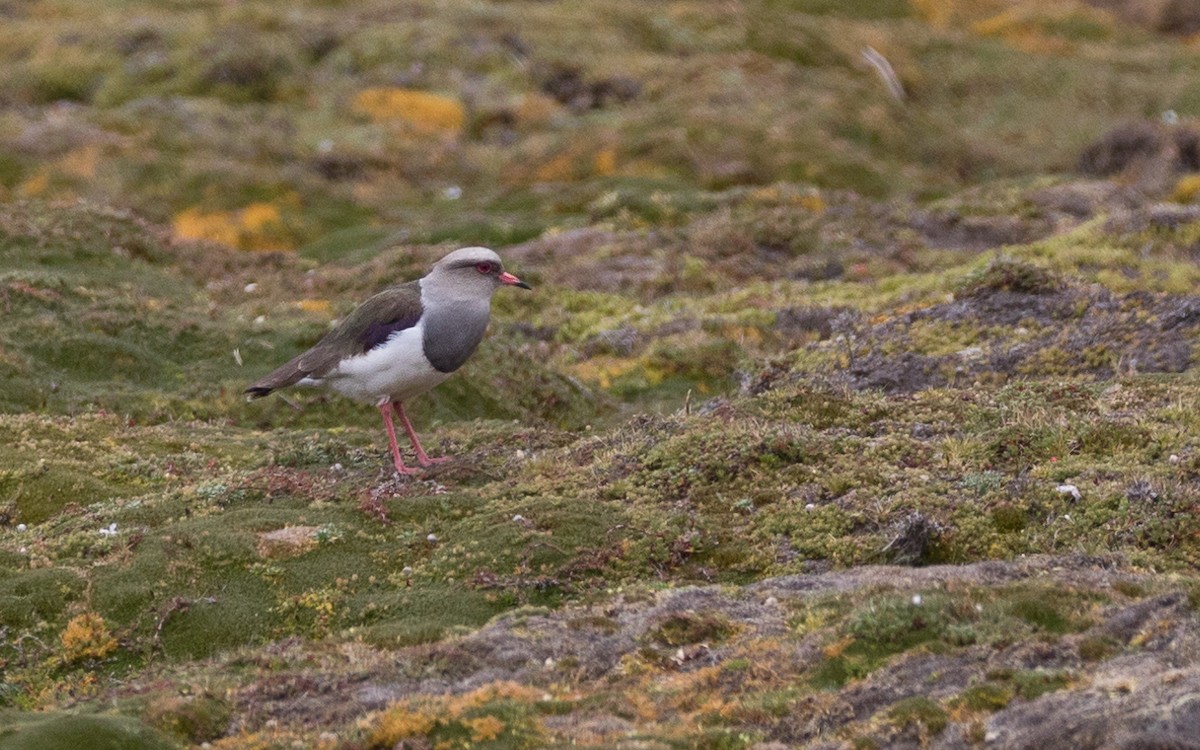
(35,185)
(743,334)
(484,728)
(195,224)
(603,370)
(643,707)
(82,162)
(573,161)
(397,724)
(835,649)
(938,13)
(259,216)
(1186,189)
(536,109)
(944,14)
(314,305)
(1021,29)
(258,226)
(812,201)
(559,168)
(423,111)
(1028,25)
(809,199)
(448,721)
(86,637)
(605,162)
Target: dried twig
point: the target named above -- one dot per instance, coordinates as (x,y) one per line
(295,406)
(884,69)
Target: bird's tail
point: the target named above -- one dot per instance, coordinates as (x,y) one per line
(288,374)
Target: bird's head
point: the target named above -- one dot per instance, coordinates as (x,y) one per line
(472,272)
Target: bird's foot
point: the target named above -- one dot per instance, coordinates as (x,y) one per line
(406,471)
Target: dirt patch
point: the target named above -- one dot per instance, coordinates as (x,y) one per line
(951,229)
(1175,17)
(1068,330)
(1147,152)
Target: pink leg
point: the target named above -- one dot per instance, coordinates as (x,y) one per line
(412,435)
(386,411)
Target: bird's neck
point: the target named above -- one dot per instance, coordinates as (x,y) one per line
(436,293)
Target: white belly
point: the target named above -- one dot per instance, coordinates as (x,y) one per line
(397,370)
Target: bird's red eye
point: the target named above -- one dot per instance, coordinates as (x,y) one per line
(484,268)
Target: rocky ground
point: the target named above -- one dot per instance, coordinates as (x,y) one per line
(855,423)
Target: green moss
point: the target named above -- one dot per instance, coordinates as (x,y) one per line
(1044,614)
(1033,683)
(919,710)
(1096,648)
(193,718)
(721,739)
(1008,519)
(1006,274)
(53,731)
(686,628)
(880,628)
(29,596)
(1129,588)
(985,696)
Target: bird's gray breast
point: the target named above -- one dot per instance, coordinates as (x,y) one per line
(452,332)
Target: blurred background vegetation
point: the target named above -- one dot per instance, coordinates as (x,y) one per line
(328,126)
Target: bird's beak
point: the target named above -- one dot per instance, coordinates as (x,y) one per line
(508,278)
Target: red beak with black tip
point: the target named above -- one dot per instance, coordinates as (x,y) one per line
(508,278)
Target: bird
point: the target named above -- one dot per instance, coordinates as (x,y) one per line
(403,342)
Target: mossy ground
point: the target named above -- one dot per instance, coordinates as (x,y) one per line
(782,326)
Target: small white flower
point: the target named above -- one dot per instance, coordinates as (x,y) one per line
(520,453)
(406,572)
(260,320)
(432,538)
(978,607)
(250,288)
(110,531)
(810,506)
(518,518)
(21,527)
(337,468)
(1173,459)
(452,193)
(916,600)
(771,602)
(549,663)
(1068,489)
